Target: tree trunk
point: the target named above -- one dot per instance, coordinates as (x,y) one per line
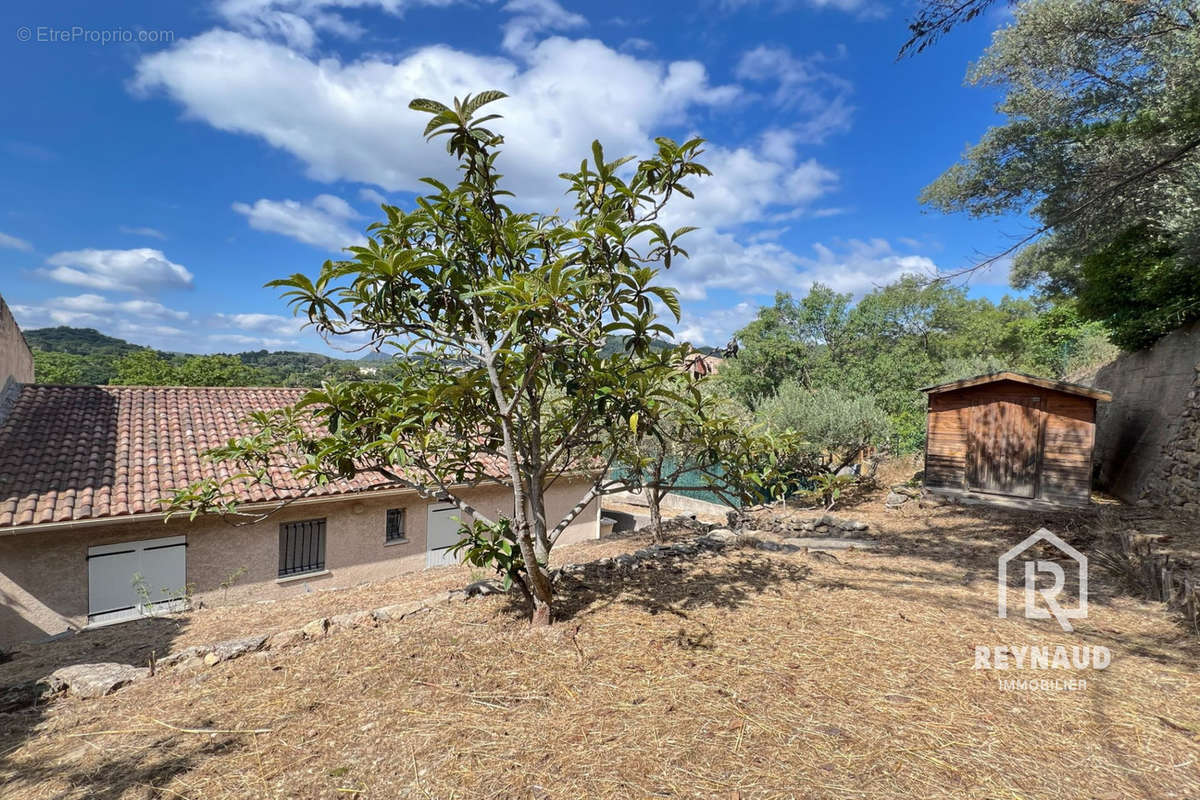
(539,582)
(652,500)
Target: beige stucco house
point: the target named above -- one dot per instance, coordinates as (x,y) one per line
(83,541)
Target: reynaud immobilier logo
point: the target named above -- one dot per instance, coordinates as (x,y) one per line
(1059,657)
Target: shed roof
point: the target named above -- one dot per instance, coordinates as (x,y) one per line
(1020,377)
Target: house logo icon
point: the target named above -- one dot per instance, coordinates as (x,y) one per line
(1050,595)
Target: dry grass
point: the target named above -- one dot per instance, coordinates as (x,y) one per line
(746,674)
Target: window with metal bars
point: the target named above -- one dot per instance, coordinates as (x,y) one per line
(395,525)
(301,547)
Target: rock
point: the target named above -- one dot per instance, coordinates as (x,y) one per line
(829,543)
(195,651)
(895,499)
(95,680)
(397,611)
(769,544)
(354,619)
(760,534)
(287,638)
(191,664)
(439,599)
(233,648)
(722,535)
(859,525)
(212,659)
(316,629)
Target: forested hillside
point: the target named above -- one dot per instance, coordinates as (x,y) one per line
(84,355)
(67,355)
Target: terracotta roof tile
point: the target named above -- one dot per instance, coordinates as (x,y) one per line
(87,452)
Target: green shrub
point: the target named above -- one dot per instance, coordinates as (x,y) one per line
(836,425)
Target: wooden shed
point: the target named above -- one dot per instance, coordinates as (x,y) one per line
(1009,436)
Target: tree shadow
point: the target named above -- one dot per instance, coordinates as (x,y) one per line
(675,582)
(119,770)
(25,697)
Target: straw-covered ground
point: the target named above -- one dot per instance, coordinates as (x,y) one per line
(735,674)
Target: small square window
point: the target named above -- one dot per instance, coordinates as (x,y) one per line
(395,525)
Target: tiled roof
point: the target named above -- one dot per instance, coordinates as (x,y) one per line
(87,452)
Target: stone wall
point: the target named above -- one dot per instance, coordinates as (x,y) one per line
(1151,422)
(1178,482)
(16,362)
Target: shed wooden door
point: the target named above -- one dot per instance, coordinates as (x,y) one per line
(1004,446)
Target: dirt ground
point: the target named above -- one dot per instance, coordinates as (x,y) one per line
(745,674)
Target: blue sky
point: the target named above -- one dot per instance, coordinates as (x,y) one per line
(153,185)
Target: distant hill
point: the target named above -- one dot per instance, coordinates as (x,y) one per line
(78,341)
(84,355)
(614,344)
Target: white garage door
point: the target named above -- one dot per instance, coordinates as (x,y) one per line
(134,579)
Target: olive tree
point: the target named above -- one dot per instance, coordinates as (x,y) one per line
(498,317)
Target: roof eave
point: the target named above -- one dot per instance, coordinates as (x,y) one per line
(1017,377)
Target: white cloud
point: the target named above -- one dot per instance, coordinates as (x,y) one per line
(155,325)
(371,196)
(140,271)
(760,268)
(350,121)
(13,243)
(716,327)
(862,9)
(720,261)
(245,342)
(531,17)
(130,319)
(153,233)
(260,323)
(803,86)
(861,265)
(321,223)
(749,185)
(95,304)
(300,23)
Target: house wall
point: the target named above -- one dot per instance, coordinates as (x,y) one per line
(44,574)
(16,361)
(1067,446)
(1141,434)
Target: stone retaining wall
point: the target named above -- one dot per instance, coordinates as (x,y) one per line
(1177,484)
(1148,430)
